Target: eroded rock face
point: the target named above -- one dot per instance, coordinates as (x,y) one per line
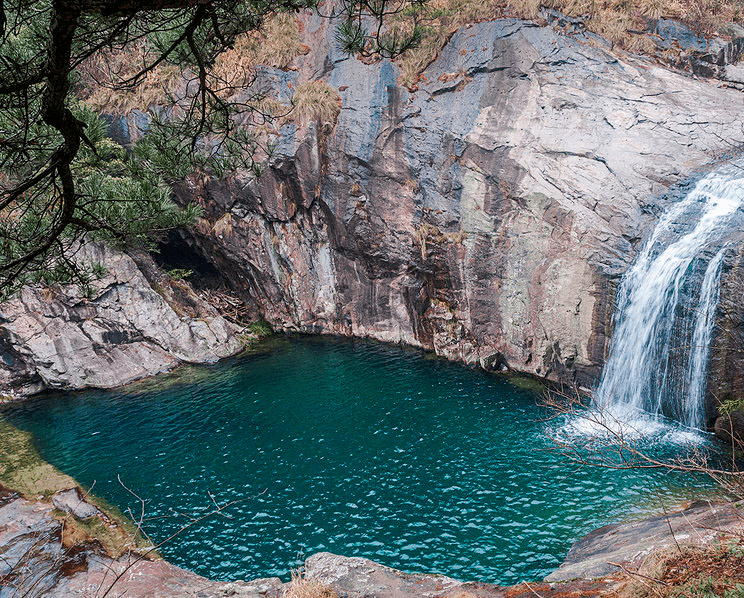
(488,215)
(57,338)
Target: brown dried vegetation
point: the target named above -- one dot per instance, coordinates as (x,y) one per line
(690,572)
(315,100)
(627,24)
(302,587)
(276,44)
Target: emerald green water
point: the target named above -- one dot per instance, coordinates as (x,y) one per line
(353,447)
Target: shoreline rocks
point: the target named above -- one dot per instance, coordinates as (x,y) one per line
(124,329)
(65,542)
(36,556)
(631,543)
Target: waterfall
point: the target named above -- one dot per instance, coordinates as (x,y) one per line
(666,305)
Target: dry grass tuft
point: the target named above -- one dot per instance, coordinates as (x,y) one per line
(654,9)
(106,70)
(640,44)
(611,24)
(315,100)
(276,44)
(626,23)
(302,587)
(690,572)
(526,9)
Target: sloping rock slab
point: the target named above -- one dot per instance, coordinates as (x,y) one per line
(355,577)
(630,543)
(123,330)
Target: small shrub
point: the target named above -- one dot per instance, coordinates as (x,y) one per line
(179,273)
(261,328)
(98,270)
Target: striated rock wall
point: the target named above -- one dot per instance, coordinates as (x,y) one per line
(487,214)
(726,364)
(57,338)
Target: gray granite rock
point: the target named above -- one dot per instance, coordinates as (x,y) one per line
(71,501)
(603,551)
(357,577)
(57,338)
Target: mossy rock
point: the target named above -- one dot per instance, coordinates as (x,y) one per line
(23,470)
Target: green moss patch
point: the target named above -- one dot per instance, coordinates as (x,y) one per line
(23,470)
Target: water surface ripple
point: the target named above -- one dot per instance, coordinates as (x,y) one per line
(353,447)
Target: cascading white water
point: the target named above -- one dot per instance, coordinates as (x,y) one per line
(666,306)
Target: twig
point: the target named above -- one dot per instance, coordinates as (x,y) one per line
(641,577)
(178,532)
(669,523)
(531,589)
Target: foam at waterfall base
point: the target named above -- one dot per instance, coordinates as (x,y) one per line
(624,423)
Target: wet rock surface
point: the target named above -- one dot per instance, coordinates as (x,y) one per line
(726,361)
(487,214)
(122,331)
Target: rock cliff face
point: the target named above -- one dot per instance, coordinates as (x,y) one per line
(726,365)
(124,330)
(487,215)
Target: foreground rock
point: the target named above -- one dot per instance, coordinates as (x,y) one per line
(43,555)
(486,215)
(57,338)
(604,550)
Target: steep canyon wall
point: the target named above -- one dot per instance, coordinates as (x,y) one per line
(487,214)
